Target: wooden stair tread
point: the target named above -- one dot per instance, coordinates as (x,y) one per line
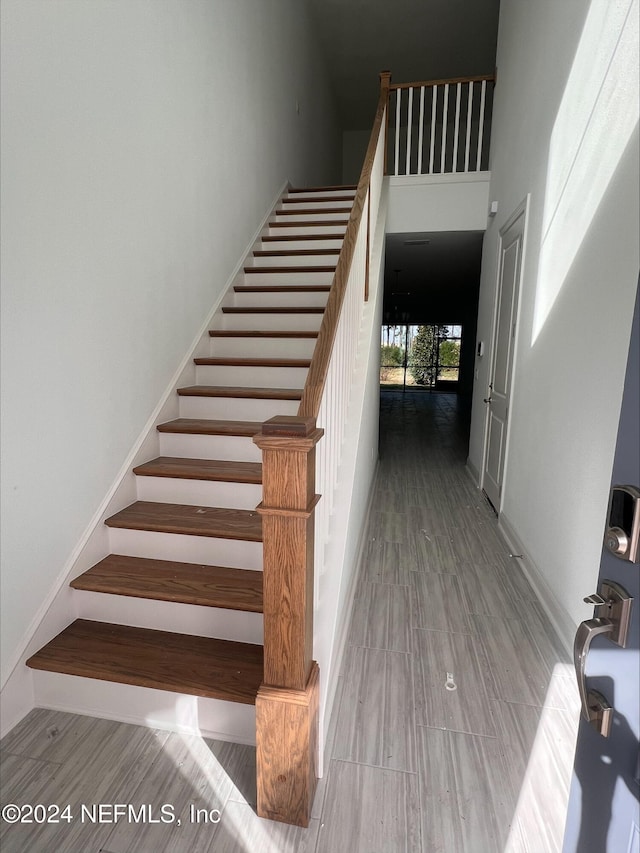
(323,189)
(282,288)
(241,392)
(277,238)
(282,270)
(205,426)
(259,333)
(254,362)
(219,522)
(219,470)
(166,580)
(293,253)
(181,663)
(255,309)
(318,198)
(315,211)
(308,222)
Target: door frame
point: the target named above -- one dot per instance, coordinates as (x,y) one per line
(522,210)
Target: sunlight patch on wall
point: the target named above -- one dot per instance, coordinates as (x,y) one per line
(597,115)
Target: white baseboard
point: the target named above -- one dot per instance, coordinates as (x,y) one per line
(473,472)
(558,616)
(144,706)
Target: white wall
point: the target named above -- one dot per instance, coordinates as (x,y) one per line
(142,144)
(565,130)
(449,202)
(354,148)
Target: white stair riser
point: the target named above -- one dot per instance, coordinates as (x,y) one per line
(313,204)
(323,193)
(279,279)
(232,447)
(316,260)
(279,299)
(292,245)
(172,490)
(255,377)
(237,409)
(318,216)
(171,616)
(145,706)
(235,553)
(263,347)
(300,230)
(293,322)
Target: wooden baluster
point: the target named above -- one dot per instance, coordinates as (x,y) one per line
(287,701)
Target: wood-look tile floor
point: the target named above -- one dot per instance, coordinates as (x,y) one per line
(454,724)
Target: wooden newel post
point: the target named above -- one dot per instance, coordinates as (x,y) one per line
(287,702)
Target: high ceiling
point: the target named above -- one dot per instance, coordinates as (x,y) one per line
(426,40)
(438,280)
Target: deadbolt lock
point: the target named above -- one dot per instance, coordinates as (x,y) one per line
(622,534)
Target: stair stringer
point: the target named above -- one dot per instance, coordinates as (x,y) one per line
(23,688)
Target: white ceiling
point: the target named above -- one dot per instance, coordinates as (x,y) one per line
(414,39)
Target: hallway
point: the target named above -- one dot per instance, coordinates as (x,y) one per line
(454,722)
(453,680)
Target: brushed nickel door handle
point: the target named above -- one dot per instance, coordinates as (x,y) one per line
(595,709)
(616,602)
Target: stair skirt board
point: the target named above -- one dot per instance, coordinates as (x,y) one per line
(146,706)
(184,548)
(172,616)
(209,447)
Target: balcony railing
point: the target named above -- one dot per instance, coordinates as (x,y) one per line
(439,126)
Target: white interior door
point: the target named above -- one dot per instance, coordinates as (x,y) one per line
(499,391)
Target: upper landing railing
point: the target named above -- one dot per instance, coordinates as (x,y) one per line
(439,126)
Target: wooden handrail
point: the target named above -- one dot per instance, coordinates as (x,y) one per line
(317,375)
(450,80)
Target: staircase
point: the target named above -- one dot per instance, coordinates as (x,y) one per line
(176,606)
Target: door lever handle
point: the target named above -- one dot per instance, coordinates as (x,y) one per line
(595,708)
(616,602)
